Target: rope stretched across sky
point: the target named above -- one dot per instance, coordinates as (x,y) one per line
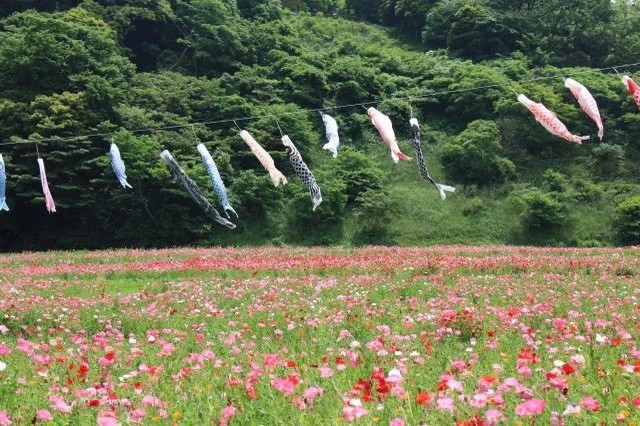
(301,111)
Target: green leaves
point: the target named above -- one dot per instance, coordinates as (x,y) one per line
(628,221)
(47,53)
(544,215)
(58,112)
(358,172)
(374,214)
(474,156)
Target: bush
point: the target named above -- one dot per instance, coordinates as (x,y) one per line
(554,181)
(591,242)
(473,157)
(325,225)
(373,216)
(473,207)
(628,221)
(609,160)
(358,172)
(543,217)
(586,191)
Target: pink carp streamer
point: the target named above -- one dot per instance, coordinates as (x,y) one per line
(385,128)
(549,120)
(48,199)
(587,103)
(633,88)
(264,158)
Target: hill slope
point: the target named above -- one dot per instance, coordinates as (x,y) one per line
(112,68)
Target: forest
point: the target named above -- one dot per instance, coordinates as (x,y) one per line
(116,67)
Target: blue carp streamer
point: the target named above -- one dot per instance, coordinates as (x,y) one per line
(118,166)
(216,179)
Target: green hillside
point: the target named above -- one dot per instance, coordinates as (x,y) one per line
(102,67)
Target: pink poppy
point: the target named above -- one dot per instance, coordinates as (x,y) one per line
(310,394)
(325,372)
(446,404)
(137,415)
(107,418)
(531,407)
(44,415)
(285,386)
(590,404)
(492,416)
(228,412)
(59,404)
(352,413)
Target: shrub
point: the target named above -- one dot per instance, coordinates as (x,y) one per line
(544,214)
(473,207)
(473,157)
(358,172)
(542,217)
(373,216)
(628,221)
(554,181)
(325,224)
(609,160)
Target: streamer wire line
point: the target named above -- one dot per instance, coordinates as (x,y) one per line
(423,97)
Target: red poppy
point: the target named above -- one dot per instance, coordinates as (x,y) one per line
(489,378)
(473,421)
(252,393)
(83,370)
(423,398)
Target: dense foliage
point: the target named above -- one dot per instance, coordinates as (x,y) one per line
(96,66)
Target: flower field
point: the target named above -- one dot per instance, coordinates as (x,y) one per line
(275,336)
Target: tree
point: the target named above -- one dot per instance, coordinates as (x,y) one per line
(543,216)
(476,34)
(438,22)
(626,38)
(325,225)
(573,32)
(374,218)
(553,181)
(408,16)
(609,160)
(358,172)
(11,6)
(471,104)
(262,10)
(259,202)
(473,157)
(363,9)
(51,53)
(628,221)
